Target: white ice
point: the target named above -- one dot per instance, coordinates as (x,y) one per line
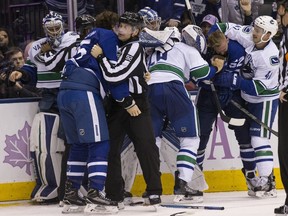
(235,204)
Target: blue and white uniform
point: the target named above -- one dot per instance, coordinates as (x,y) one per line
(80,102)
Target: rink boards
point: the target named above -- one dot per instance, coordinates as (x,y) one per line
(221,167)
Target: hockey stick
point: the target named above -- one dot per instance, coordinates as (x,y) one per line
(254,117)
(188,5)
(193,207)
(227,119)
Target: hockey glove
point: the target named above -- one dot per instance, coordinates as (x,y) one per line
(229,80)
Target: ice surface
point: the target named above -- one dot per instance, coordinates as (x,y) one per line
(235,203)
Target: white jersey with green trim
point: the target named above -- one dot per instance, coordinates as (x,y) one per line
(179,63)
(262,64)
(50,65)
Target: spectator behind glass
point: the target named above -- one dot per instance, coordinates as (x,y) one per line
(207,22)
(240,10)
(5,42)
(15,55)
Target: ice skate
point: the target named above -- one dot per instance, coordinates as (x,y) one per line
(282,210)
(73,202)
(127,198)
(151,199)
(97,203)
(265,187)
(251,180)
(184,193)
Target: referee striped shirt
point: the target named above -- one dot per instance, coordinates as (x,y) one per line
(131,66)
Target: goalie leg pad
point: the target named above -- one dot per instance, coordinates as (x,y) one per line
(45,145)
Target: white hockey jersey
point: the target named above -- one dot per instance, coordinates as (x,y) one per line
(263,64)
(181,63)
(49,66)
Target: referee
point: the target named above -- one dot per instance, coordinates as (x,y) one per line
(130,115)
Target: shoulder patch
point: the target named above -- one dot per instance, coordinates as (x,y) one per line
(274,60)
(247,29)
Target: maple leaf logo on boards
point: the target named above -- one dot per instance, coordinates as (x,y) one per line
(17,147)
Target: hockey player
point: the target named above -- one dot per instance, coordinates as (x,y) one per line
(151,19)
(171,65)
(81,107)
(259,88)
(130,116)
(46,60)
(84,24)
(283,106)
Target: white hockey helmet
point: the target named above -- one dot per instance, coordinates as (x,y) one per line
(150,18)
(53,25)
(268,24)
(176,34)
(193,36)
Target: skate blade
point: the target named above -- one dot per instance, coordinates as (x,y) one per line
(265,194)
(188,200)
(100,209)
(153,208)
(68,209)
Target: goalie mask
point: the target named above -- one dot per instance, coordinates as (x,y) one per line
(53,28)
(192,35)
(268,24)
(151,19)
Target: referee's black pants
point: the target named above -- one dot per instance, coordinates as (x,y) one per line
(140,131)
(283,144)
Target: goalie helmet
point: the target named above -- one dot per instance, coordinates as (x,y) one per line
(53,26)
(84,24)
(176,34)
(268,24)
(150,18)
(192,35)
(133,19)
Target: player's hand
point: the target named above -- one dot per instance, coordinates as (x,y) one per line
(134,110)
(147,76)
(246,6)
(15,75)
(218,61)
(45,47)
(282,97)
(96,51)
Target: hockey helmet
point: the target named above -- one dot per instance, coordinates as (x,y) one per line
(133,19)
(150,18)
(268,24)
(176,34)
(192,35)
(84,23)
(53,25)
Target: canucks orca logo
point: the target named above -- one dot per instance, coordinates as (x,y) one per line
(247,29)
(274,60)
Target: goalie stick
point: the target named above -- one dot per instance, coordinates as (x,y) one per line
(227,119)
(188,5)
(193,207)
(250,115)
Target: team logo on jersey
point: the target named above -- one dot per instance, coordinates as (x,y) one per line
(197,7)
(247,29)
(274,60)
(129,58)
(81,132)
(183,129)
